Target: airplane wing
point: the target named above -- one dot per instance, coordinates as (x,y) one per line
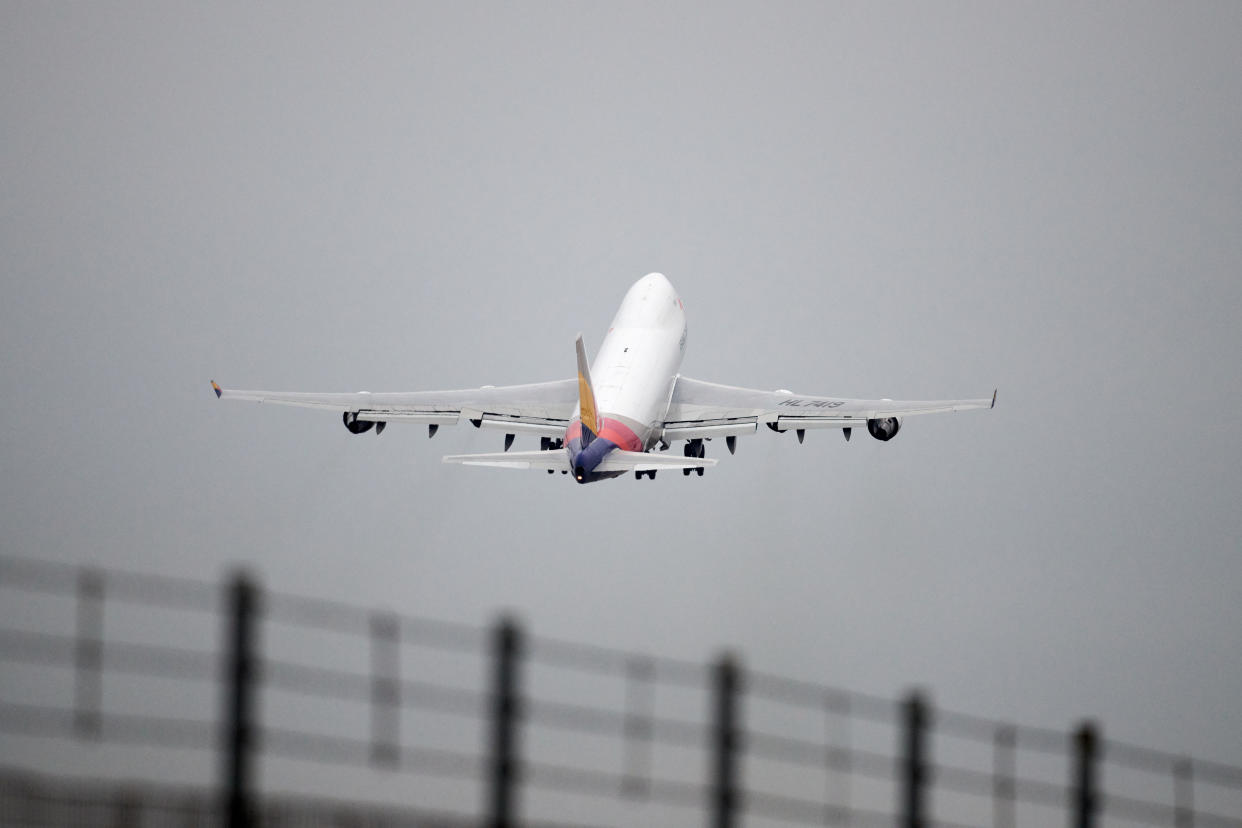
(542,408)
(706,409)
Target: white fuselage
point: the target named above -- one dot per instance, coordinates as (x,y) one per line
(637,364)
(633,378)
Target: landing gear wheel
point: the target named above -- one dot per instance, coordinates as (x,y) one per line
(694,448)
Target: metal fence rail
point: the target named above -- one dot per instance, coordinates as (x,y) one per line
(919,774)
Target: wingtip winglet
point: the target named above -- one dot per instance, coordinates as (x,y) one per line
(993,405)
(219,391)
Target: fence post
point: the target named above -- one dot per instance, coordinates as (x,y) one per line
(88,654)
(1004,769)
(725,799)
(1086,743)
(239,696)
(837,760)
(914,763)
(1183,793)
(385,689)
(639,707)
(502,807)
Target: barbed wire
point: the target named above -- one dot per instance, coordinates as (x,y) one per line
(121,728)
(592,658)
(329,615)
(154,591)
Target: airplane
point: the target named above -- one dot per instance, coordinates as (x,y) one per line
(617,412)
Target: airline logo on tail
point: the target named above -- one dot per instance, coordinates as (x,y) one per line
(586,397)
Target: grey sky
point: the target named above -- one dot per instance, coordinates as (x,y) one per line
(905,200)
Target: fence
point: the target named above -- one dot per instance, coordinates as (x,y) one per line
(634,761)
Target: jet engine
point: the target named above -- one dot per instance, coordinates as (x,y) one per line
(355,426)
(884,428)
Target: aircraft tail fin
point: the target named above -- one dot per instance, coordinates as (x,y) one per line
(586,392)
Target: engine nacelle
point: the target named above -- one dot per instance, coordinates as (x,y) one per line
(355,426)
(884,428)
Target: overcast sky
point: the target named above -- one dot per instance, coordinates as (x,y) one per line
(909,201)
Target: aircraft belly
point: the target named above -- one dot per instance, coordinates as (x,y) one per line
(636,370)
(633,374)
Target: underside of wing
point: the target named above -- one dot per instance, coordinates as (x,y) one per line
(699,406)
(539,408)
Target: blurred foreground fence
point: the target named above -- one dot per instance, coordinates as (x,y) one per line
(586,735)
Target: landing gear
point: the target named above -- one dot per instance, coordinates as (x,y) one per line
(694,448)
(638,475)
(549,444)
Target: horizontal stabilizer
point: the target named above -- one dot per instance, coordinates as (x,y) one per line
(618,460)
(557,460)
(553,460)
